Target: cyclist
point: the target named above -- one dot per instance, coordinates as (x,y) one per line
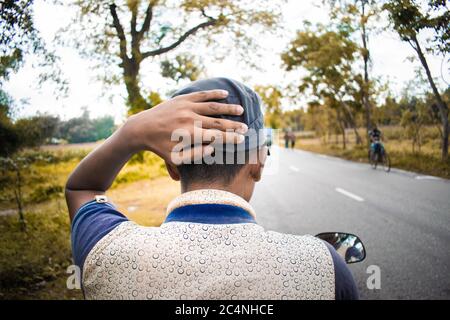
(375,137)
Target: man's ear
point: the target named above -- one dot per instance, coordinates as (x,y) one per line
(173,171)
(256,169)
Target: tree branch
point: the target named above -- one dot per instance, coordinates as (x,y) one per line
(133,22)
(180,40)
(120,32)
(148,18)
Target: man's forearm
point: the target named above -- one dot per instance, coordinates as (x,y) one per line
(95,173)
(152,130)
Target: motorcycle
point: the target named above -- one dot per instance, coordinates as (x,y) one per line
(347,245)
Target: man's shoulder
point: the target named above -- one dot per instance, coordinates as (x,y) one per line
(297,238)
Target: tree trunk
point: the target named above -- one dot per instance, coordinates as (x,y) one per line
(353,123)
(443,108)
(342,127)
(18,196)
(365,91)
(136,101)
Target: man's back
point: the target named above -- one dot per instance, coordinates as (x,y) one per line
(206,261)
(209,247)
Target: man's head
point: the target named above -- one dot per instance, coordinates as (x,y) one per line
(232,168)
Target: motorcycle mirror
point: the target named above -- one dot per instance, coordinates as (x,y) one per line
(347,245)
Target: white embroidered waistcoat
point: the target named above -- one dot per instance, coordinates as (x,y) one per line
(191,260)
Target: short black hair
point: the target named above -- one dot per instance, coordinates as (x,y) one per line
(223,172)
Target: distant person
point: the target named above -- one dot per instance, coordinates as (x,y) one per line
(375,136)
(286,139)
(292,138)
(210,245)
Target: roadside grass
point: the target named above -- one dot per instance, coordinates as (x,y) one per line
(33,262)
(30,259)
(427,161)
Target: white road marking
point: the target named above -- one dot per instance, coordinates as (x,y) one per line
(349,194)
(427,178)
(295,169)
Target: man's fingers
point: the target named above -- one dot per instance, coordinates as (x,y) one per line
(190,155)
(202,96)
(223,124)
(220,137)
(216,108)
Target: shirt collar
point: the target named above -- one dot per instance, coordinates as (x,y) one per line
(210,206)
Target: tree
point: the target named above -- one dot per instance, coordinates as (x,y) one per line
(9,138)
(19,39)
(99,30)
(271,98)
(408,19)
(327,56)
(37,130)
(104,127)
(84,129)
(294,119)
(16,166)
(414,117)
(357,14)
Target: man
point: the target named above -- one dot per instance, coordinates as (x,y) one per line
(292,137)
(375,134)
(375,137)
(210,246)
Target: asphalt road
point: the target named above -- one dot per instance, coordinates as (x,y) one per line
(403,218)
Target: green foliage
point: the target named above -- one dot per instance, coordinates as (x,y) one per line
(153,99)
(10,63)
(26,132)
(409,17)
(9,138)
(19,38)
(327,56)
(294,119)
(85,129)
(103,127)
(271,97)
(37,130)
(184,66)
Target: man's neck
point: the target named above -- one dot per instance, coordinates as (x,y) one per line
(209,196)
(229,188)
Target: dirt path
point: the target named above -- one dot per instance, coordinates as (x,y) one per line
(145,201)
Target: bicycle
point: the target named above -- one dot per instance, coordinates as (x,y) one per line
(379,155)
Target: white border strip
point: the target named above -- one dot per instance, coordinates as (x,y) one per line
(349,194)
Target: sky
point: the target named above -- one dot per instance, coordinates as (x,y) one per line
(389,61)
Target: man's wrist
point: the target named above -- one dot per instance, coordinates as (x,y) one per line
(128,140)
